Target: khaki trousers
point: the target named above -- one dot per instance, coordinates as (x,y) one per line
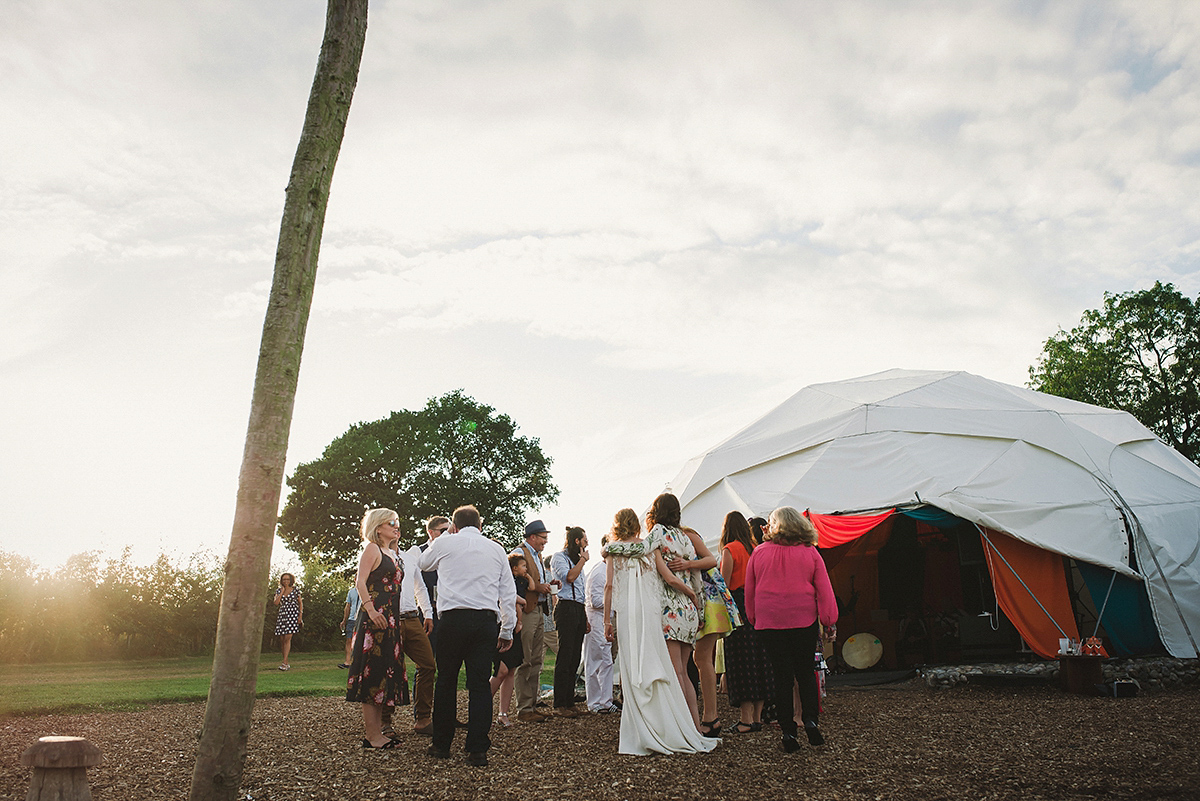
(417,648)
(529,674)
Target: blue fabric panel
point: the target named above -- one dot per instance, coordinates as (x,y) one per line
(1127,618)
(932,515)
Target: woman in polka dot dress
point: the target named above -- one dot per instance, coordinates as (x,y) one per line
(290,617)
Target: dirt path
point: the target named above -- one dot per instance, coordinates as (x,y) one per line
(902,742)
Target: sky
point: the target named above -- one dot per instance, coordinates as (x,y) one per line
(634,227)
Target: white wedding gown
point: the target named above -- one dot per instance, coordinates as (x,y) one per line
(654,715)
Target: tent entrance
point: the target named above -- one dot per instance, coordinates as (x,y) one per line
(924,590)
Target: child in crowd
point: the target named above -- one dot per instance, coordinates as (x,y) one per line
(506,663)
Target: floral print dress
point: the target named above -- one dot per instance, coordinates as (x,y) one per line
(681,620)
(376,670)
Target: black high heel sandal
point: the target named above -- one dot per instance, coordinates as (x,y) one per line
(388,745)
(711,728)
(744,728)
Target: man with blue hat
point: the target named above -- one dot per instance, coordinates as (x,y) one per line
(537,607)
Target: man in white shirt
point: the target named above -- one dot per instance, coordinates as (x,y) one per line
(416,626)
(537,606)
(597,651)
(436,527)
(477,614)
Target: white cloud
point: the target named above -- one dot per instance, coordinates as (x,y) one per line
(608,200)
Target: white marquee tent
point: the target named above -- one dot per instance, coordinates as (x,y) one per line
(1074,479)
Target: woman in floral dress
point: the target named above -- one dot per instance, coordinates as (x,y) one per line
(376,679)
(682,620)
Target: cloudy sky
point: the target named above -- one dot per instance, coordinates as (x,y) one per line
(632,226)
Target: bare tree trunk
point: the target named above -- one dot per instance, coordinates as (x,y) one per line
(221,754)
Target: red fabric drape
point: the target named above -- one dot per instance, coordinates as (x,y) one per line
(834,530)
(1043,572)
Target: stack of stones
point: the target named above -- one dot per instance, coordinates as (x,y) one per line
(1151,673)
(1154,673)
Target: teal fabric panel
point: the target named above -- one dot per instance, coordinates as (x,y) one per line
(932,515)
(1127,618)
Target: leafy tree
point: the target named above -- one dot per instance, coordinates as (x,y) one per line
(424,463)
(1141,354)
(85,610)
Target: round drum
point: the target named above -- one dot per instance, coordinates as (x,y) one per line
(862,650)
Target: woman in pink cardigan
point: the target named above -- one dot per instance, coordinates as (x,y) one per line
(787,594)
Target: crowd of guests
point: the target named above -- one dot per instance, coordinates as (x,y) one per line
(657,606)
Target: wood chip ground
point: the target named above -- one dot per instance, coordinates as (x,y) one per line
(894,742)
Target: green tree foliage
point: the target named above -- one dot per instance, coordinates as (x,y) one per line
(1140,353)
(454,451)
(91,609)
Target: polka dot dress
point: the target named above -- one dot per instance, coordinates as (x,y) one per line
(288,619)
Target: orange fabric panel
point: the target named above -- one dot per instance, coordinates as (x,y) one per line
(834,530)
(1043,572)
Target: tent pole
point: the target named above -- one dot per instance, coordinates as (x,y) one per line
(1138,527)
(1104,606)
(1126,509)
(1023,584)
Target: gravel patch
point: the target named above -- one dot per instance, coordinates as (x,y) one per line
(893,742)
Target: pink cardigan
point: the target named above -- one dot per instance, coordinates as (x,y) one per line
(787,587)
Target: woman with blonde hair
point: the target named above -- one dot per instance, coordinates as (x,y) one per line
(376,680)
(788,595)
(656,716)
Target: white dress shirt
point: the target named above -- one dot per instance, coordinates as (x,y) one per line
(414,593)
(597,580)
(473,573)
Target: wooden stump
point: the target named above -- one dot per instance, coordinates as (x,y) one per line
(60,768)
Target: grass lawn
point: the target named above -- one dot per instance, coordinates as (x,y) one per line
(121,686)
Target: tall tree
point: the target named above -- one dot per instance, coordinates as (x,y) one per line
(454,451)
(1140,353)
(221,754)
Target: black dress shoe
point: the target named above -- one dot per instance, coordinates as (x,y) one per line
(437,753)
(477,758)
(790,743)
(814,734)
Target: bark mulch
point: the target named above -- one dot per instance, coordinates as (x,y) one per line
(894,742)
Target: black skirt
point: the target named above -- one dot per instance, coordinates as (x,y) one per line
(513,657)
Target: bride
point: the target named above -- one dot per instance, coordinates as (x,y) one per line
(655,715)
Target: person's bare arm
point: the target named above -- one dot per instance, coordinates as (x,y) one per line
(610,630)
(726,565)
(370,559)
(671,579)
(704,558)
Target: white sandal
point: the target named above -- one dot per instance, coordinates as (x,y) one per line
(503,718)
(285,667)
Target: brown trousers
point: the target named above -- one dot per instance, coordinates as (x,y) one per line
(416,648)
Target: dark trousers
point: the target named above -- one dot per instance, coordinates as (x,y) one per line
(791,652)
(466,637)
(570,621)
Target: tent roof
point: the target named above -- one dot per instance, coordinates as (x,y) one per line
(1055,473)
